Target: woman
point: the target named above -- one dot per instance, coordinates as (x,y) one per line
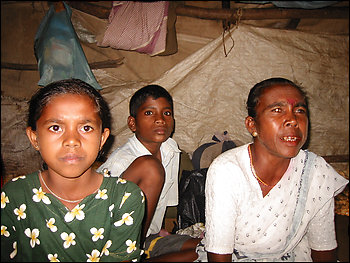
(270,200)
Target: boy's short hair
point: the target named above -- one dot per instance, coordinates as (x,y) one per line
(140,96)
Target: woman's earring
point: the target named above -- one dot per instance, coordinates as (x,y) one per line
(255,134)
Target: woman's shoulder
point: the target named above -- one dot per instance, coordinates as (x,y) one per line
(234,155)
(323,173)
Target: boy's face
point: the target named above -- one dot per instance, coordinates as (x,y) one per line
(154,121)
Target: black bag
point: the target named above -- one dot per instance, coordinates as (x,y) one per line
(191,208)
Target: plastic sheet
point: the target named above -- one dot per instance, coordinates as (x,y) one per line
(191,208)
(58,50)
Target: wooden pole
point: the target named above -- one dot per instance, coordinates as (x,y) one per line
(224,13)
(93,65)
(262,13)
(92,9)
(342,158)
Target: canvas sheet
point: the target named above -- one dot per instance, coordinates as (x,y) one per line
(210,90)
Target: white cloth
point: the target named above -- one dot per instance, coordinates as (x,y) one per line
(122,157)
(239,218)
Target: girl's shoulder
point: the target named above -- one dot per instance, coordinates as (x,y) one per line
(119,184)
(122,191)
(19,190)
(21,182)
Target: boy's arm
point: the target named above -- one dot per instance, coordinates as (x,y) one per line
(148,173)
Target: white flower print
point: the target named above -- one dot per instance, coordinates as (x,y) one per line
(121,180)
(131,246)
(143,197)
(101,194)
(77,212)
(40,195)
(50,224)
(94,257)
(110,208)
(53,258)
(4,231)
(4,200)
(97,234)
(106,173)
(20,212)
(126,196)
(14,252)
(18,177)
(126,218)
(68,239)
(106,247)
(33,235)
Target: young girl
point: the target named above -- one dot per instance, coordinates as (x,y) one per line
(69,212)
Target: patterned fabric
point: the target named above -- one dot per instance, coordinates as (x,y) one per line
(138,26)
(36,226)
(241,221)
(122,157)
(156,245)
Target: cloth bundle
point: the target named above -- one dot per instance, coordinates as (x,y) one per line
(137,26)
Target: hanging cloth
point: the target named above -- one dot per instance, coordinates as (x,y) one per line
(58,50)
(137,26)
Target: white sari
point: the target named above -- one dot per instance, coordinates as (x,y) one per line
(297,215)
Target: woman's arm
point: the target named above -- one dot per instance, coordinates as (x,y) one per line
(324,256)
(212,257)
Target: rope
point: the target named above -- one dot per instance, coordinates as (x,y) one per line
(227,27)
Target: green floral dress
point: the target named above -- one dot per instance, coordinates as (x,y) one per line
(105,226)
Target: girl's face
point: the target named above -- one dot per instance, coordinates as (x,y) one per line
(154,121)
(281,121)
(69,134)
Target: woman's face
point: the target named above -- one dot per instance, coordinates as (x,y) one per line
(281,121)
(69,134)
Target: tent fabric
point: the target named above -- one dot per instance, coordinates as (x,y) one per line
(210,90)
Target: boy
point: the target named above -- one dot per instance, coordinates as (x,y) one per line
(152,121)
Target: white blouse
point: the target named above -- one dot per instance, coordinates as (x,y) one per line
(239,217)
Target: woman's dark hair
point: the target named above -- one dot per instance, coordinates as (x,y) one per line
(257,90)
(68,86)
(140,96)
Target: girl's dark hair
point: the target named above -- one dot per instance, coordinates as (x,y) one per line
(257,90)
(140,96)
(68,86)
